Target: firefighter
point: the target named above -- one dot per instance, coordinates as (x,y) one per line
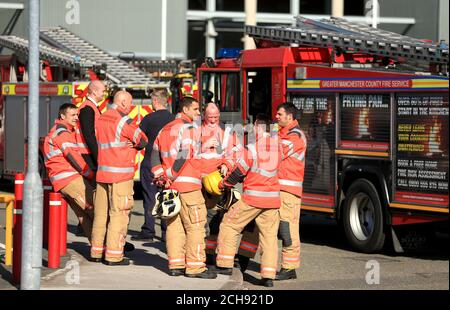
(85,131)
(88,117)
(217,142)
(118,142)
(258,168)
(291,174)
(67,170)
(175,167)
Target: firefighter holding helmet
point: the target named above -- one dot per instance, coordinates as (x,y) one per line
(175,168)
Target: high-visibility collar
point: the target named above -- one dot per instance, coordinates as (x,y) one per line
(284,130)
(186,118)
(92,100)
(115,107)
(64,123)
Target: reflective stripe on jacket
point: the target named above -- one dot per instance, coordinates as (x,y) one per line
(63,160)
(173,155)
(258,167)
(116,157)
(292,167)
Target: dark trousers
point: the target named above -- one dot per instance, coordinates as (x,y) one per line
(149,191)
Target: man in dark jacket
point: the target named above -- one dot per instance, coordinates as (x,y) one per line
(151,125)
(89,113)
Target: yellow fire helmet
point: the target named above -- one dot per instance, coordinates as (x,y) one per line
(211,183)
(167,204)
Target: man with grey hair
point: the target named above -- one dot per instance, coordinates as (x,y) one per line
(151,125)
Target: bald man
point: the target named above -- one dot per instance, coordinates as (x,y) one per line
(89,114)
(218,144)
(118,142)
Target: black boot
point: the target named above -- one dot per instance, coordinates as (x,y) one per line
(142,237)
(207,274)
(95,259)
(286,274)
(267,282)
(223,270)
(124,262)
(176,272)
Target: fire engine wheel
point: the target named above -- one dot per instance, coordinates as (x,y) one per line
(363,217)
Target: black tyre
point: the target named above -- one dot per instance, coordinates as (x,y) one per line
(362,217)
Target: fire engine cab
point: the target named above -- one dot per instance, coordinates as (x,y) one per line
(374,107)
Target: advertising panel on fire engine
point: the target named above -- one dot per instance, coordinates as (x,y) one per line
(422,148)
(365,122)
(317,121)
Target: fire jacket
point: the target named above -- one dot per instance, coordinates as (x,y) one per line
(212,157)
(258,168)
(174,152)
(63,160)
(85,132)
(116,157)
(292,168)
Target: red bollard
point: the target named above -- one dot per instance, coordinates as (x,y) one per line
(54,227)
(47,189)
(17,232)
(63,229)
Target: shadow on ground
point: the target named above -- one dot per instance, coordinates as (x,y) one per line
(419,241)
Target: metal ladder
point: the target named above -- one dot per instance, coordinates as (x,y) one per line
(118,71)
(352,37)
(53,55)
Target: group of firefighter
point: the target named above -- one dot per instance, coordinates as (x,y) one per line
(196,163)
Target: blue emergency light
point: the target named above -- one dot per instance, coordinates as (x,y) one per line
(228,52)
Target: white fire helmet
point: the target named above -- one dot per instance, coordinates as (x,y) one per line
(167,204)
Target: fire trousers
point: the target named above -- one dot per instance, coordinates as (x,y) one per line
(233,223)
(249,241)
(185,236)
(79,194)
(113,204)
(289,231)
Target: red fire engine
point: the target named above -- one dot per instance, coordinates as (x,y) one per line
(374,107)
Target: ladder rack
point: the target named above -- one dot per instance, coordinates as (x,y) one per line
(118,70)
(352,37)
(54,55)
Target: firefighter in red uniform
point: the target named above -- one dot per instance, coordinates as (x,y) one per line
(66,168)
(258,169)
(291,185)
(218,142)
(118,142)
(174,164)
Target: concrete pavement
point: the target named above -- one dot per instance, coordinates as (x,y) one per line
(327,263)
